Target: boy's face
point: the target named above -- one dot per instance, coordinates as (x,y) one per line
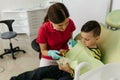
(89,40)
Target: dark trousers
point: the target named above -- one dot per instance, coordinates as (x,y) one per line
(44,72)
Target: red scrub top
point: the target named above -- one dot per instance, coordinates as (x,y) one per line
(55,40)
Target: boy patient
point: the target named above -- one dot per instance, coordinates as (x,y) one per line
(90,34)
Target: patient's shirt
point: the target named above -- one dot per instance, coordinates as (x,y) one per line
(96,53)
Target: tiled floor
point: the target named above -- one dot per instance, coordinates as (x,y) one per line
(24,62)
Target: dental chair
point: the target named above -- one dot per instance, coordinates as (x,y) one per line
(110,46)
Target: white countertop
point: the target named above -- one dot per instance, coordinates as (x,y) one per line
(22,9)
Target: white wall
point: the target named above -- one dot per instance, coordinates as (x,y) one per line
(116,4)
(83,10)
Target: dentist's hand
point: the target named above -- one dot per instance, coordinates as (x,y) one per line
(72,43)
(54,54)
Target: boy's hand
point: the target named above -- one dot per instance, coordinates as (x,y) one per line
(63,64)
(66,68)
(63,52)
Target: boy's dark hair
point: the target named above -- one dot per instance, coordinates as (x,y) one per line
(92,26)
(57,13)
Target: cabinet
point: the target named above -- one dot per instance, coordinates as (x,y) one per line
(26,21)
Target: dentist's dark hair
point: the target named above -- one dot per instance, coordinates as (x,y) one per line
(56,13)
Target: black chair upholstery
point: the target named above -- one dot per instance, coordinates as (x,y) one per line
(9,35)
(36,47)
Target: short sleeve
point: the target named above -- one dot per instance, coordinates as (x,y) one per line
(42,35)
(73,27)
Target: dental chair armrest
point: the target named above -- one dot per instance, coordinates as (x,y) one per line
(78,68)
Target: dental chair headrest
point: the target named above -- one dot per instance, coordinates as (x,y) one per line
(113,19)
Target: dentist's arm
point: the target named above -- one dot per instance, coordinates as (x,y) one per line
(53,53)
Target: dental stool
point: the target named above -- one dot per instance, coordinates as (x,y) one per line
(35,46)
(10,34)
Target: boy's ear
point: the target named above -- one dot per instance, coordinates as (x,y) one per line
(98,37)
